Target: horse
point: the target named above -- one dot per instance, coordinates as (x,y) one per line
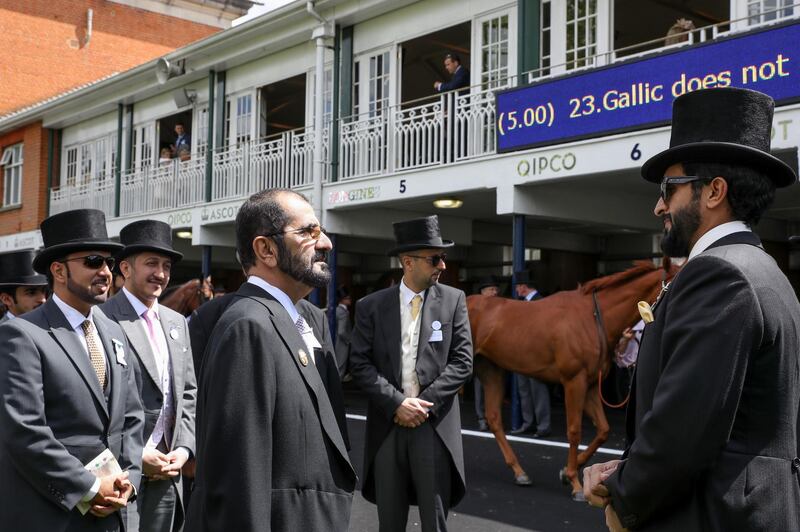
(563,338)
(184,299)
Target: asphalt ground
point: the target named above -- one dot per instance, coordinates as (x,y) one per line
(493,503)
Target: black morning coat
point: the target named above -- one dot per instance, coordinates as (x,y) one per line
(270,455)
(442,369)
(713,415)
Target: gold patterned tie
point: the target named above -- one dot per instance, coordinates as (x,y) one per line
(95,353)
(416,304)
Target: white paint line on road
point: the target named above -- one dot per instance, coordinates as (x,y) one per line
(521,439)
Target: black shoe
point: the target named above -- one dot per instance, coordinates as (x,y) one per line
(542,434)
(520,430)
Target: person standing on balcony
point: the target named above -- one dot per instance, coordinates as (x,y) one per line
(21,288)
(270,455)
(182,140)
(69,391)
(459,75)
(713,415)
(411,352)
(159,339)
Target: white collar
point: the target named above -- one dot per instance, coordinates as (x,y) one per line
(139,307)
(10,315)
(74,317)
(531,294)
(714,234)
(278,294)
(406,294)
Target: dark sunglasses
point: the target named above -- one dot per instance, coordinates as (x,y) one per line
(433,260)
(313,232)
(668,184)
(95,262)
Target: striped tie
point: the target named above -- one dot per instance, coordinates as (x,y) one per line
(95,353)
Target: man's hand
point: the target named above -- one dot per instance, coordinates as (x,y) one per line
(153,464)
(596,494)
(612,520)
(412,412)
(437,84)
(175,461)
(112,495)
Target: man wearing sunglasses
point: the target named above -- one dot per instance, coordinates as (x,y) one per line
(270,455)
(712,422)
(411,351)
(21,288)
(69,391)
(159,339)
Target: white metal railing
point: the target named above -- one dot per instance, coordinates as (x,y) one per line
(92,194)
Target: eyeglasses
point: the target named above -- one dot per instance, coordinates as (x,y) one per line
(313,231)
(95,262)
(433,260)
(668,184)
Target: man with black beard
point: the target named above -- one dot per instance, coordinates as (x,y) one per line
(68,391)
(712,421)
(270,455)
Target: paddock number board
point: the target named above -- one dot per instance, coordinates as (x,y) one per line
(638,94)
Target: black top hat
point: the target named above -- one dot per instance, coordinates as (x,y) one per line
(486,282)
(147,235)
(341,293)
(419,233)
(70,231)
(16,269)
(722,125)
(523,277)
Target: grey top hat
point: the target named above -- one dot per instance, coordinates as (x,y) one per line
(419,233)
(71,231)
(722,125)
(16,269)
(147,235)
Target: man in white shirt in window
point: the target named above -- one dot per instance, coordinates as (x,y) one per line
(159,339)
(68,391)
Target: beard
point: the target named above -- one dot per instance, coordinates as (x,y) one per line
(313,272)
(93,295)
(685,224)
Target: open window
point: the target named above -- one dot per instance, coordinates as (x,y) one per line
(282,106)
(175,135)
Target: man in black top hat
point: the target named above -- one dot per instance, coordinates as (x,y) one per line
(712,421)
(159,339)
(21,288)
(69,391)
(411,352)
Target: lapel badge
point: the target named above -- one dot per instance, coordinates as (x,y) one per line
(646,312)
(173,333)
(436,325)
(119,351)
(303,358)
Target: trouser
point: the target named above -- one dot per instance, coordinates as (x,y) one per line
(534,399)
(413,461)
(156,503)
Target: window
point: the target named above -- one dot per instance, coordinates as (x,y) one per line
(544,39)
(760,11)
(239,119)
(90,160)
(356,87)
(581,33)
(201,127)
(378,83)
(12,175)
(494,52)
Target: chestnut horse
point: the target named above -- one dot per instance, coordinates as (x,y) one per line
(185,298)
(557,340)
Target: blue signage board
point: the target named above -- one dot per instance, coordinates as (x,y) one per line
(638,94)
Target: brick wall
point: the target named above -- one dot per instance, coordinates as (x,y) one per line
(34,180)
(43,50)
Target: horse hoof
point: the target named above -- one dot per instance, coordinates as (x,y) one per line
(523,480)
(578,496)
(562,476)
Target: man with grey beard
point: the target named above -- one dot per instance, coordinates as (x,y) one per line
(270,455)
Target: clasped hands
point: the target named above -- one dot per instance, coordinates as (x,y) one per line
(114,492)
(159,466)
(597,494)
(412,412)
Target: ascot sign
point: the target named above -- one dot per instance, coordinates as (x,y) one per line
(638,94)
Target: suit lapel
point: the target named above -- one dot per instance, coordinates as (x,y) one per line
(130,323)
(69,342)
(294,344)
(176,347)
(742,237)
(430,313)
(390,325)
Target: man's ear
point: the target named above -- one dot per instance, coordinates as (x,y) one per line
(716,193)
(59,271)
(265,250)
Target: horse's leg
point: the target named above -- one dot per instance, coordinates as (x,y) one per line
(491,376)
(594,409)
(574,397)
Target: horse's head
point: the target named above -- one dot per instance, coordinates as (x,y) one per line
(184,299)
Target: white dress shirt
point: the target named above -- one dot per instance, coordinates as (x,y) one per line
(307,334)
(714,234)
(531,294)
(409,340)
